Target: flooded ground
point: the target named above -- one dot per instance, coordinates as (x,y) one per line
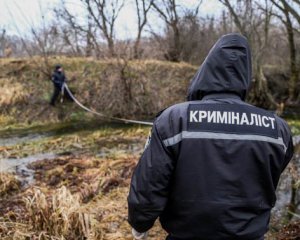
(18,139)
(92,159)
(12,136)
(89,163)
(284,190)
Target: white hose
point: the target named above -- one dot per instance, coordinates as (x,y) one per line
(65,86)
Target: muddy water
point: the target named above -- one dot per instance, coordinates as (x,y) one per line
(20,135)
(10,137)
(19,166)
(284,187)
(8,141)
(296,140)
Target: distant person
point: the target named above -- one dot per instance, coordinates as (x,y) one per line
(58,79)
(212,164)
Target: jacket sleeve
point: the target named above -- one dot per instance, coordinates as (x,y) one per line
(149,187)
(55,79)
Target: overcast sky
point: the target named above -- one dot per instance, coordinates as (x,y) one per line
(23,14)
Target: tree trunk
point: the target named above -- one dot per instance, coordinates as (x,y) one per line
(89,44)
(260,95)
(136,47)
(175,49)
(293,67)
(111,47)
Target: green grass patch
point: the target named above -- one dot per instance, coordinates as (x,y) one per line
(295,126)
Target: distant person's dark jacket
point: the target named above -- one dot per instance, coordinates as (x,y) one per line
(213,163)
(58,79)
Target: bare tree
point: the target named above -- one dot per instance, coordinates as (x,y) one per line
(142,9)
(89,38)
(104,13)
(254,24)
(2,41)
(285,18)
(288,11)
(42,41)
(168,11)
(77,34)
(291,7)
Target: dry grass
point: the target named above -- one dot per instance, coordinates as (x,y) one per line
(57,216)
(8,184)
(11,94)
(140,88)
(88,201)
(111,212)
(289,232)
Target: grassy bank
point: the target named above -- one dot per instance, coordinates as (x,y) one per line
(130,89)
(133,89)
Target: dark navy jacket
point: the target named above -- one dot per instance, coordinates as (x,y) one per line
(213,163)
(58,79)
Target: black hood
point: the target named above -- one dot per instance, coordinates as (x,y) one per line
(57,66)
(226,69)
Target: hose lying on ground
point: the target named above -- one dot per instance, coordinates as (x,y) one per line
(65,87)
(296,139)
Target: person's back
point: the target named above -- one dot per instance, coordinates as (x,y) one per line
(213,163)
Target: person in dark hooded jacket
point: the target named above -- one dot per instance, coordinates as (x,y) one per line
(212,165)
(58,79)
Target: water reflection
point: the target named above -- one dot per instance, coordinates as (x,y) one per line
(19,166)
(284,189)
